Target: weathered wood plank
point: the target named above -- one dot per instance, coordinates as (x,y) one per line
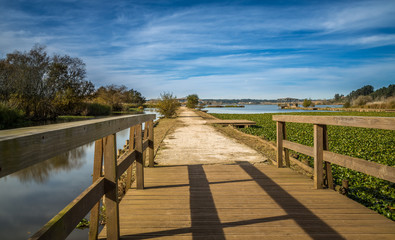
(349,121)
(280,141)
(139,159)
(328,166)
(23,147)
(151,143)
(309,151)
(60,226)
(129,174)
(97,173)
(145,146)
(318,156)
(269,203)
(125,161)
(286,151)
(361,165)
(110,174)
(357,164)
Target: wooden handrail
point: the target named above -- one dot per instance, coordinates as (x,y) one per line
(320,150)
(24,147)
(347,121)
(21,148)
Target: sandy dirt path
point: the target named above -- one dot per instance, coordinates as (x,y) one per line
(194,142)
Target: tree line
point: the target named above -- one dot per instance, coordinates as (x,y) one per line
(366,95)
(38,86)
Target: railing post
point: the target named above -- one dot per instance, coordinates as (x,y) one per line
(151,143)
(318,155)
(286,151)
(97,173)
(110,174)
(145,137)
(328,166)
(280,149)
(131,148)
(139,159)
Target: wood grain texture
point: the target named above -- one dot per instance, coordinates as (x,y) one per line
(110,174)
(129,173)
(318,156)
(125,161)
(327,166)
(97,173)
(361,165)
(309,151)
(280,135)
(21,148)
(139,159)
(151,144)
(349,121)
(242,201)
(357,164)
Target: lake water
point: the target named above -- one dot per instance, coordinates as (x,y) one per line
(252,109)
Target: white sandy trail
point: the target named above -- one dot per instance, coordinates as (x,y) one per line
(197,143)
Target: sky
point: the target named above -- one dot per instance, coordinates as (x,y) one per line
(216,49)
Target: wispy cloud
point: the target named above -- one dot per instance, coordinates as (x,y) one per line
(262,50)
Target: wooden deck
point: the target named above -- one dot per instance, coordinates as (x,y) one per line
(242,201)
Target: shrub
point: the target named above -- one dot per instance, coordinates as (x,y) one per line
(347,105)
(192,101)
(308,103)
(10,117)
(361,100)
(167,105)
(97,109)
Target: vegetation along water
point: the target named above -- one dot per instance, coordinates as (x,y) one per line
(370,144)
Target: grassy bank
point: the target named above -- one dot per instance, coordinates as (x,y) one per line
(370,144)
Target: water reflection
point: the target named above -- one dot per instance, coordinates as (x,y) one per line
(41,172)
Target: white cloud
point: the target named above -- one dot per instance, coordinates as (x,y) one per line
(265,52)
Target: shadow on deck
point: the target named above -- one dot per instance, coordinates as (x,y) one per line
(242,201)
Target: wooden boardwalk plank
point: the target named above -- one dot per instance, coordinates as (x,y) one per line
(242,201)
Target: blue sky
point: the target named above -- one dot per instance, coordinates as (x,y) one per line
(216,49)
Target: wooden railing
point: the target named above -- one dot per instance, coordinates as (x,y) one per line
(320,151)
(21,148)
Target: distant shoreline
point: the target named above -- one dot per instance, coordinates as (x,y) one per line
(342,109)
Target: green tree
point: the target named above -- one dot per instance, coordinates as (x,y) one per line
(338,97)
(363,91)
(112,95)
(307,103)
(384,92)
(167,105)
(42,86)
(192,101)
(135,97)
(69,75)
